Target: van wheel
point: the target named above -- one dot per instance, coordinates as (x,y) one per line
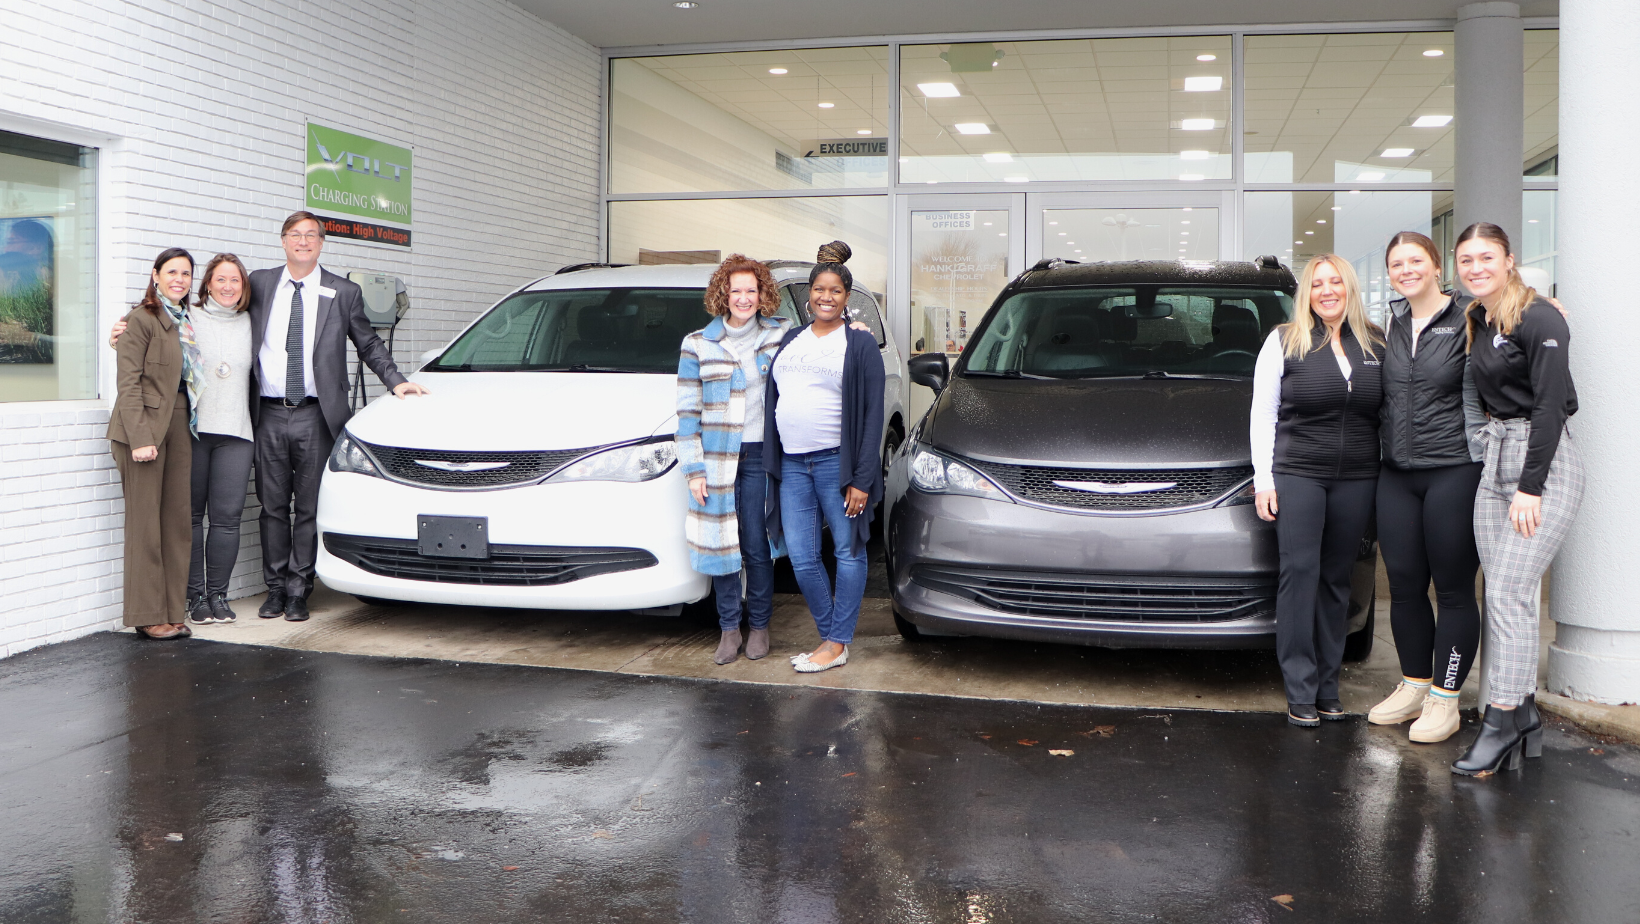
(379,601)
(891,445)
(908,629)
(1358,644)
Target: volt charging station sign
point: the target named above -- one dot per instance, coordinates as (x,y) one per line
(359,178)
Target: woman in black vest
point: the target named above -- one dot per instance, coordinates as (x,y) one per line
(1316,392)
(1431,422)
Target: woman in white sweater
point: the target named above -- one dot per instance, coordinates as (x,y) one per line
(222,445)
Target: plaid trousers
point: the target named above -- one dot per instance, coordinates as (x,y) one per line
(1514,564)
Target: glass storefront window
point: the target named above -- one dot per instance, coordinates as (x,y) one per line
(1363,108)
(1295,226)
(804,119)
(1537,247)
(1542,141)
(1086,235)
(1066,110)
(959,262)
(707,230)
(48,196)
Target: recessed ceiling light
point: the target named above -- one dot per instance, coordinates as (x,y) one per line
(1053,222)
(1185,222)
(685,4)
(1298,242)
(1203,84)
(1193,155)
(1434,53)
(1196,125)
(1076,251)
(1338,208)
(1184,233)
(1355,192)
(862,131)
(777,70)
(1321,221)
(905,160)
(1061,234)
(999,157)
(972,128)
(1192,177)
(1207,57)
(1016,179)
(1531,221)
(987,224)
(1396,152)
(1185,209)
(1002,234)
(1070,243)
(827,105)
(938,90)
(932,182)
(1431,121)
(1307,232)
(1372,176)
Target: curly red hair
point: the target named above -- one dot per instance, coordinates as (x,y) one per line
(717,291)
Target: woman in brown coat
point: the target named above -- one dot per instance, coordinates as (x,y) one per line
(159,381)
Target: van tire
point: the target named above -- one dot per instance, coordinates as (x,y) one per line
(908,629)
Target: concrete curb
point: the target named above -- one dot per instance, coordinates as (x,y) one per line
(1617,721)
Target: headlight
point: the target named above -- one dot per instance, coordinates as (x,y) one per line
(642,462)
(349,456)
(937,474)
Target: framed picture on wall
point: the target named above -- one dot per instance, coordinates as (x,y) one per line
(28,259)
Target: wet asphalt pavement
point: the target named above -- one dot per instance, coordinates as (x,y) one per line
(202,782)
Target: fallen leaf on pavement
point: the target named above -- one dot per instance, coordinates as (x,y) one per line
(1061,753)
(847,775)
(1285,901)
(1028,742)
(603,834)
(508,869)
(986,737)
(1597,750)
(1099,731)
(746,732)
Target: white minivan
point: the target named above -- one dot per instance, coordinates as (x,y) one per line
(540,472)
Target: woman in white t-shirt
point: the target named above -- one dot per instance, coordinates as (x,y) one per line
(824,422)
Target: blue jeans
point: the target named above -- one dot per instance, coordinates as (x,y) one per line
(809,492)
(751,492)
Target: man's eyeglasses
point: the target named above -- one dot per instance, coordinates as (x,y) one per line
(302,236)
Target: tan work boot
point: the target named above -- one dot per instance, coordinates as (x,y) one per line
(1439,721)
(1407,702)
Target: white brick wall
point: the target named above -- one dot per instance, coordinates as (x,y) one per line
(204,107)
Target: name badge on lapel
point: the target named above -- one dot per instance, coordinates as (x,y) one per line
(327,292)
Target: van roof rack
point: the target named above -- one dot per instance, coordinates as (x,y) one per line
(574,267)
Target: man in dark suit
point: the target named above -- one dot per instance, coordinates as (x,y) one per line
(302,316)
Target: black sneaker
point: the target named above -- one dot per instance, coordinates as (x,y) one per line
(1331,710)
(220,608)
(1303,715)
(296,609)
(200,612)
(274,606)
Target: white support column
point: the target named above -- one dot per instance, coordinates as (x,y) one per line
(1595,591)
(1488,43)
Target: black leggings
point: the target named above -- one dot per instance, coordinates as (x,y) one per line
(1426,530)
(221,476)
(1319,526)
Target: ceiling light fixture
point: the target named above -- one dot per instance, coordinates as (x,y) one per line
(1307,232)
(777,70)
(1434,53)
(827,105)
(1061,234)
(1184,234)
(938,90)
(1196,125)
(972,128)
(1207,57)
(1193,155)
(1203,84)
(1185,209)
(1431,121)
(1185,222)
(685,4)
(1338,208)
(1396,152)
(999,157)
(1531,221)
(862,131)
(1321,221)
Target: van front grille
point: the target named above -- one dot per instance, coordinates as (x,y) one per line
(1115,597)
(1116,489)
(507,566)
(457,470)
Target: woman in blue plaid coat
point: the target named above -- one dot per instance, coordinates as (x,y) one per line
(721,376)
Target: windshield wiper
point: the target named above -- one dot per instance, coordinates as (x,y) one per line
(1008,374)
(1160,374)
(583,367)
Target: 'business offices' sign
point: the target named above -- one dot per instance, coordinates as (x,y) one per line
(361,178)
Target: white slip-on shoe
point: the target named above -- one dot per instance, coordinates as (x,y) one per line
(1439,721)
(1407,702)
(806,666)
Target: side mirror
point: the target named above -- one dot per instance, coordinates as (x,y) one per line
(930,369)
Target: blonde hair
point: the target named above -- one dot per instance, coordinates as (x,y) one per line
(1516,296)
(1297,334)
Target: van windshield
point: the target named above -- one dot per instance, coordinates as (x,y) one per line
(1127,331)
(580,330)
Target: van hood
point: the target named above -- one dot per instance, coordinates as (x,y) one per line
(521,411)
(1091,423)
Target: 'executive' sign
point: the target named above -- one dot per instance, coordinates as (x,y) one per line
(846,147)
(357,176)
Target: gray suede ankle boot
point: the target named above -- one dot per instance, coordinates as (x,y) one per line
(728,647)
(757,644)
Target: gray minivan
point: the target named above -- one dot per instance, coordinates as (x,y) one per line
(1085,474)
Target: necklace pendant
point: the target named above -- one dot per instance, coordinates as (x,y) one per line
(223,370)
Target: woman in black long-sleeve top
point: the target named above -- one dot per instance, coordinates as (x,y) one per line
(1532,484)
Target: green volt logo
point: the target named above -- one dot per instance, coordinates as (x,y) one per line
(358,176)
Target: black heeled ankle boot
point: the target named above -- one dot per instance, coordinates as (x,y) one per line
(1501,742)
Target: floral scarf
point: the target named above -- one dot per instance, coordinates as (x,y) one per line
(192,373)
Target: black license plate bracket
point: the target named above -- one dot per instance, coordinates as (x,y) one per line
(453,537)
